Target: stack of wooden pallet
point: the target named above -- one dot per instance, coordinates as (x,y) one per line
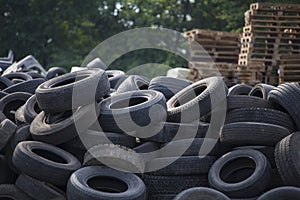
(271,30)
(213,53)
(289,69)
(220,47)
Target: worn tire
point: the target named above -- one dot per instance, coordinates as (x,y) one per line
(243,101)
(285,96)
(62,93)
(263,115)
(240,174)
(31,109)
(61,127)
(114,76)
(287,159)
(54,72)
(17,77)
(133,82)
(51,164)
(102,181)
(282,193)
(4,83)
(194,101)
(10,191)
(131,111)
(7,129)
(26,86)
(19,116)
(261,90)
(239,89)
(252,133)
(11,102)
(168,86)
(115,156)
(201,193)
(38,190)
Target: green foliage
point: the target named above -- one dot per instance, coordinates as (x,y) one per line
(63,32)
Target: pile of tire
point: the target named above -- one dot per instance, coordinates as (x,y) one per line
(102,134)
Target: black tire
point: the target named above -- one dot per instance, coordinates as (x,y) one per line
(38,190)
(114,76)
(130,111)
(267,151)
(184,165)
(263,115)
(31,109)
(169,86)
(11,102)
(192,147)
(10,191)
(54,72)
(241,174)
(7,129)
(287,159)
(26,86)
(171,131)
(62,93)
(201,193)
(62,127)
(243,101)
(148,150)
(4,83)
(36,75)
(45,162)
(286,96)
(133,82)
(7,176)
(17,77)
(97,182)
(252,133)
(282,193)
(19,116)
(261,90)
(115,156)
(2,94)
(96,63)
(239,89)
(194,101)
(167,185)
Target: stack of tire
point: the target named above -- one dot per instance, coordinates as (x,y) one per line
(96,134)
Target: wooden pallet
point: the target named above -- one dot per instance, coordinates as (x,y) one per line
(275,6)
(289,69)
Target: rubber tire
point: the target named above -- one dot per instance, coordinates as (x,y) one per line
(7,176)
(26,86)
(61,129)
(116,156)
(10,191)
(252,186)
(252,133)
(132,117)
(7,129)
(12,102)
(169,86)
(17,75)
(96,63)
(55,171)
(31,109)
(287,159)
(263,115)
(184,165)
(38,190)
(286,96)
(58,95)
(4,83)
(239,89)
(36,75)
(114,76)
(243,101)
(168,185)
(78,187)
(195,107)
(192,147)
(171,129)
(148,150)
(133,82)
(261,90)
(19,116)
(201,193)
(54,72)
(2,94)
(282,193)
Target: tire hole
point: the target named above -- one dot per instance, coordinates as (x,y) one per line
(128,102)
(107,184)
(190,95)
(237,170)
(49,156)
